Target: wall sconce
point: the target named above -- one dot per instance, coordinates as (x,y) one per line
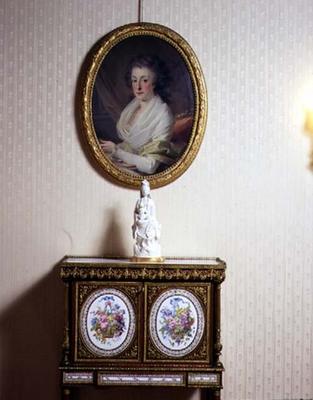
(308,120)
(308,126)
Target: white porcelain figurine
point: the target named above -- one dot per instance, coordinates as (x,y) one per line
(146,229)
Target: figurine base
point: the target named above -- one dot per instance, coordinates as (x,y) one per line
(147,259)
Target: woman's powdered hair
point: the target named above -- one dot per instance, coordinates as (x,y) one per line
(155,64)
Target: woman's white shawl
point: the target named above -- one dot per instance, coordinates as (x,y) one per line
(145,143)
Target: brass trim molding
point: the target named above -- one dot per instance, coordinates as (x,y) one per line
(140,273)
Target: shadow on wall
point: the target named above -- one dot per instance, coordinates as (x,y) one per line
(31,333)
(112,242)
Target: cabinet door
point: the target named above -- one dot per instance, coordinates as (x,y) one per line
(178,322)
(107,320)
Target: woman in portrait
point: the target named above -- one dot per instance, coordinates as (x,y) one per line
(145,124)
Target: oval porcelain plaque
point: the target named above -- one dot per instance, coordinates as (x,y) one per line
(107,322)
(176,322)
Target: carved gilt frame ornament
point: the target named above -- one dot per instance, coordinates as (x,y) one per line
(105,95)
(136,273)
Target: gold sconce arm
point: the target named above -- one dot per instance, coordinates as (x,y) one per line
(308,126)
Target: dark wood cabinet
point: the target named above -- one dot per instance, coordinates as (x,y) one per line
(152,324)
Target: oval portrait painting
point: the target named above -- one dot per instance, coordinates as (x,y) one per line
(144,105)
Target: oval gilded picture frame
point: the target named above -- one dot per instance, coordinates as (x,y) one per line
(144,105)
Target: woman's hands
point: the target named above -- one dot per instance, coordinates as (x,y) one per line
(107,146)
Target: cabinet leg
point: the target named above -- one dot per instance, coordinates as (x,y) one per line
(211,394)
(66,394)
(216,395)
(206,394)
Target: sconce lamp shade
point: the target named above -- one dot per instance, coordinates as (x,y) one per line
(309,122)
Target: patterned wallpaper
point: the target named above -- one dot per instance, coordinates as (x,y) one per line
(247,197)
